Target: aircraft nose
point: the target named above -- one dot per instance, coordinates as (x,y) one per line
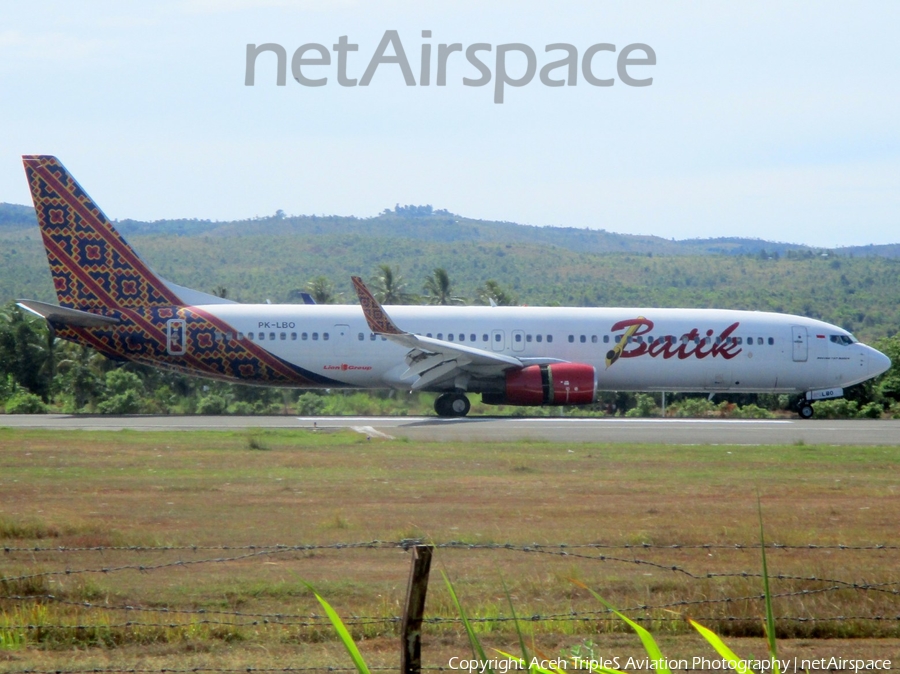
(878,363)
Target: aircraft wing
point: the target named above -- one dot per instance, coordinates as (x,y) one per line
(431,360)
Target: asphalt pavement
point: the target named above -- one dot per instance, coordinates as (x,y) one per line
(476,429)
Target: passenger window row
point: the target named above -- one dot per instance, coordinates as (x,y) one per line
(537,338)
(671,339)
(517,336)
(271,336)
(472,337)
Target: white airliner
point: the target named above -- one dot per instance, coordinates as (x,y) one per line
(109,299)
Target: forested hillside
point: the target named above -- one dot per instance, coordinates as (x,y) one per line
(425,223)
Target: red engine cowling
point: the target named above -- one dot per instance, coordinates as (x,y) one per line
(556,384)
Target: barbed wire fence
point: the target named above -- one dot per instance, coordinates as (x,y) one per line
(137,616)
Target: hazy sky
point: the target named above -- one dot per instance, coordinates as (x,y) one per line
(765,119)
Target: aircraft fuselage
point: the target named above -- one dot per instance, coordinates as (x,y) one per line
(671,349)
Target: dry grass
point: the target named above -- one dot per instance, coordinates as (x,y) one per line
(127,488)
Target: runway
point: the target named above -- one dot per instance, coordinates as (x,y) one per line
(498,429)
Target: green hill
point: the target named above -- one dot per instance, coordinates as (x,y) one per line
(271,257)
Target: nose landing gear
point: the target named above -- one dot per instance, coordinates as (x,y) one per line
(805,410)
(452,405)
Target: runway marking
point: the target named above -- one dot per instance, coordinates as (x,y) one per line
(371,432)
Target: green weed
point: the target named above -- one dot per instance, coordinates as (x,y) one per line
(255,442)
(31,529)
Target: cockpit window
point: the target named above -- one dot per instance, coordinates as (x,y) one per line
(843,340)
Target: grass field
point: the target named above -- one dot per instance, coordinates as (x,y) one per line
(297,488)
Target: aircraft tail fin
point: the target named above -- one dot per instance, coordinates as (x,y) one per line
(93,267)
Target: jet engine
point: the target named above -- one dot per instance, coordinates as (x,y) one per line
(555,384)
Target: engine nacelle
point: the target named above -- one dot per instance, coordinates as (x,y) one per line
(556,384)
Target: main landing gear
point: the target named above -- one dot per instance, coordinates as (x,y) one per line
(452,405)
(805,410)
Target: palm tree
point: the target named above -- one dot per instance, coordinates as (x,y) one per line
(26,345)
(390,288)
(80,371)
(491,290)
(322,290)
(439,289)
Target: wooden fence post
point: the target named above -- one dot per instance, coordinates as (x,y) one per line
(411,627)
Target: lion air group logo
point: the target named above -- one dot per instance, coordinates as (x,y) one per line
(344,367)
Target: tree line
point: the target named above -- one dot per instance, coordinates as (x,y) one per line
(390,287)
(40,372)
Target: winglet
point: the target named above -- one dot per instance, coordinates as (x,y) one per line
(379,322)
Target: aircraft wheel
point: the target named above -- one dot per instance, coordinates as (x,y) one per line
(442,405)
(452,405)
(459,405)
(806,411)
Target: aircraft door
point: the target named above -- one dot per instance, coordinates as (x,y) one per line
(498,340)
(341,339)
(518,340)
(800,339)
(176,337)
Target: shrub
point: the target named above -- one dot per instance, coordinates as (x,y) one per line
(8,387)
(645,406)
(341,404)
(871,411)
(694,407)
(25,403)
(751,411)
(241,408)
(840,408)
(772,401)
(212,404)
(163,400)
(310,404)
(121,381)
(124,393)
(121,403)
(262,407)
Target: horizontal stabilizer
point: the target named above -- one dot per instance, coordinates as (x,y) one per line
(65,316)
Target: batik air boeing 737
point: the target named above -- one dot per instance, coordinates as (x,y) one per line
(110,300)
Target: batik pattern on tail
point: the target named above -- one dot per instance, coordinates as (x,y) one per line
(95,270)
(93,267)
